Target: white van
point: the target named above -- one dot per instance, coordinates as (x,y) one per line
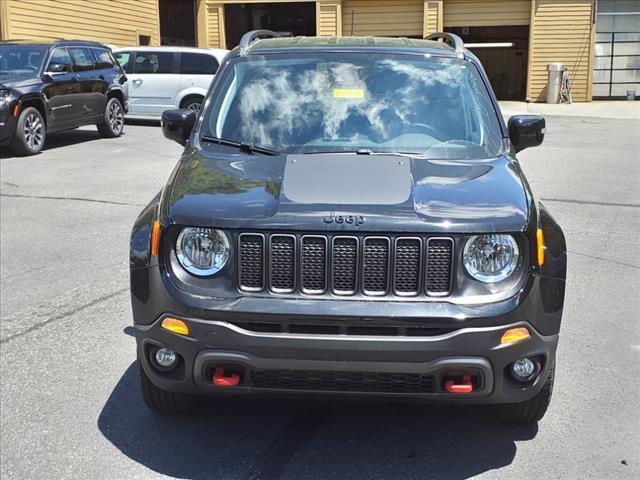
(162,78)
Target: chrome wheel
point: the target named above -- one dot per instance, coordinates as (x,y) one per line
(33,131)
(116,117)
(194,107)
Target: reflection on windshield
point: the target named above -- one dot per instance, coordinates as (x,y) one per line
(21,60)
(437,108)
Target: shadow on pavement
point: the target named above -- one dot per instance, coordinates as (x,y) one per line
(266,438)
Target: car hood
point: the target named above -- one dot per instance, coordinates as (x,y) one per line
(346,192)
(8,80)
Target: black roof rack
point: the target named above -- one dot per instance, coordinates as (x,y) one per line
(252,36)
(454,41)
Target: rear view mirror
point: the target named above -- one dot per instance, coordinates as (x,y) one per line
(56,68)
(177,125)
(526,131)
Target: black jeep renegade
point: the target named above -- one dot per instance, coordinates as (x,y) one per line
(349,218)
(48,87)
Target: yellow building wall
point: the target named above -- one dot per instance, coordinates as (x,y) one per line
(561,31)
(486,13)
(117,22)
(328,18)
(383,17)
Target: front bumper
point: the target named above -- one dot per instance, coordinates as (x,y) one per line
(7,122)
(399,366)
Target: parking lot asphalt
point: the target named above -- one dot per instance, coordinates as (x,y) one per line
(70,406)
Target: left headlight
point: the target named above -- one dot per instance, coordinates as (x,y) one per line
(203,251)
(4,94)
(491,258)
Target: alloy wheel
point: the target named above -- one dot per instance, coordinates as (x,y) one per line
(116,118)
(194,107)
(33,131)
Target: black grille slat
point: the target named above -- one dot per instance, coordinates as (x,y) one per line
(375,271)
(407,261)
(318,264)
(344,265)
(251,274)
(364,382)
(282,254)
(313,264)
(439,262)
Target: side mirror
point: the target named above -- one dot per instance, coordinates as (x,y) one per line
(56,68)
(177,125)
(526,131)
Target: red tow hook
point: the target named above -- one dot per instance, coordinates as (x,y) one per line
(465,387)
(222,379)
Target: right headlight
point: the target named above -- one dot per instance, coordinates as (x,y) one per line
(203,251)
(491,258)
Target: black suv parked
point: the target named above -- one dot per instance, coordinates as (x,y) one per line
(47,87)
(349,218)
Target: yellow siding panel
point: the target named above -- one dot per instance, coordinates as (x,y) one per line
(481,13)
(383,17)
(431,19)
(215,26)
(328,18)
(562,31)
(117,22)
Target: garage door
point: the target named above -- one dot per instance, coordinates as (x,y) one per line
(382,18)
(484,13)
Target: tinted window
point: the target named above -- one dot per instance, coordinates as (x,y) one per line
(154,62)
(60,56)
(124,59)
(198,64)
(20,59)
(318,102)
(103,58)
(82,59)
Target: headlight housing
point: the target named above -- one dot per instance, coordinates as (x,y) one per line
(491,258)
(203,251)
(4,94)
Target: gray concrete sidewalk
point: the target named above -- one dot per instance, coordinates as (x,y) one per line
(601,109)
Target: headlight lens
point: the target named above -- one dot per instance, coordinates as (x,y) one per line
(203,251)
(491,258)
(4,94)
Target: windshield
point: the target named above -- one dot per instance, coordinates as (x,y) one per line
(328,102)
(21,59)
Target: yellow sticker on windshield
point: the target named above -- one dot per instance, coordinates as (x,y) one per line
(348,93)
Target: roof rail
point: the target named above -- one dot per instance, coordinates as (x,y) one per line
(454,41)
(252,36)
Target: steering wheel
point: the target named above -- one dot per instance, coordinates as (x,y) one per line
(429,129)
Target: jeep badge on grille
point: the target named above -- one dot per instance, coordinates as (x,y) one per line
(356,220)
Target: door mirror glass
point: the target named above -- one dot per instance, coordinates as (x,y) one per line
(526,131)
(57,68)
(177,125)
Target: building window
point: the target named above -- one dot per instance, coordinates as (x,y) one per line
(144,40)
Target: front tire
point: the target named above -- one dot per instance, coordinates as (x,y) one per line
(30,133)
(113,122)
(162,401)
(533,409)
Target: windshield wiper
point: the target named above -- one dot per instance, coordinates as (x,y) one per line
(245,147)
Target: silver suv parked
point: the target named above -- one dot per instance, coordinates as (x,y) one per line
(161,78)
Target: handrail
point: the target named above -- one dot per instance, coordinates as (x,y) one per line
(451,39)
(253,35)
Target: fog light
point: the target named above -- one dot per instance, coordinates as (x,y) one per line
(524,369)
(165,357)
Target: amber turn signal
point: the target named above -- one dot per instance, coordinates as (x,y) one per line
(541,246)
(515,335)
(176,326)
(155,238)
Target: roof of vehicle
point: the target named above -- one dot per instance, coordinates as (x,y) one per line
(337,43)
(171,49)
(58,43)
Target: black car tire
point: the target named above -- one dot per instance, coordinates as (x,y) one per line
(113,122)
(162,401)
(193,104)
(533,409)
(30,133)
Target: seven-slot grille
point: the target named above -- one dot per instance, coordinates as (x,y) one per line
(345,265)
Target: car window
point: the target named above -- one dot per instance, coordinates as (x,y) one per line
(325,102)
(18,60)
(103,58)
(198,64)
(153,62)
(60,56)
(124,60)
(82,59)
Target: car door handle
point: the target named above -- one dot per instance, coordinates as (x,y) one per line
(101,77)
(137,81)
